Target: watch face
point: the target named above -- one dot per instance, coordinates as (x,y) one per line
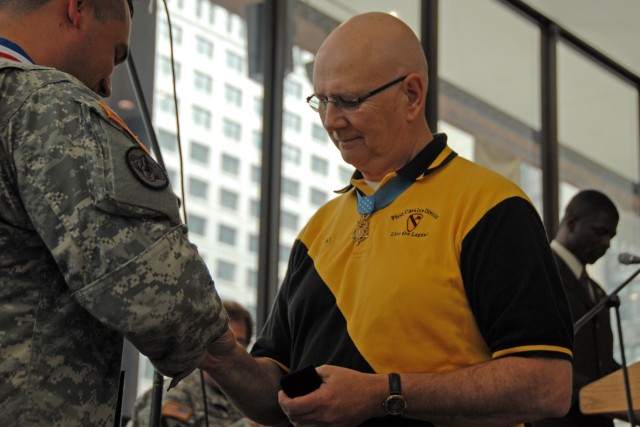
(395,405)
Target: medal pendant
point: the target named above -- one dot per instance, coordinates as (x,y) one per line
(361,231)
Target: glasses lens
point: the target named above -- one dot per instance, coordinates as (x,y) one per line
(348,105)
(314,103)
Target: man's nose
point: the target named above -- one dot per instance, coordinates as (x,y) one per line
(333,117)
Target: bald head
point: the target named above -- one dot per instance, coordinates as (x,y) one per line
(375,61)
(371,45)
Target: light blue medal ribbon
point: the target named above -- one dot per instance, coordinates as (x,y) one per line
(381,198)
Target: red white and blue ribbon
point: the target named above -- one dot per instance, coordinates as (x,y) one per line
(9,51)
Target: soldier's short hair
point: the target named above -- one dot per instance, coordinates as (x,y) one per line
(104,9)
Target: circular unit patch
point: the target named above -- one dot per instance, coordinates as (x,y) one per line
(145,169)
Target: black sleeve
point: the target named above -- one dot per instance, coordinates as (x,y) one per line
(513,285)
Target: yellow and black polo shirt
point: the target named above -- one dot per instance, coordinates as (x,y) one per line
(457,270)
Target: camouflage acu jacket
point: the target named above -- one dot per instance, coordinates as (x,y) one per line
(91,249)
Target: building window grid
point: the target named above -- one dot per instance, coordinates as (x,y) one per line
(166,104)
(167,140)
(226,270)
(318,197)
(232,129)
(284,252)
(202,82)
(319,165)
(230,164)
(254,243)
(176,32)
(227,234)
(318,133)
(256,172)
(233,95)
(254,208)
(198,188)
(234,61)
(201,117)
(345,174)
(204,47)
(199,152)
(229,199)
(293,89)
(164,65)
(290,187)
(292,121)
(291,154)
(197,224)
(289,220)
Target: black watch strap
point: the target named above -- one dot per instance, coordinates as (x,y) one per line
(395,403)
(395,385)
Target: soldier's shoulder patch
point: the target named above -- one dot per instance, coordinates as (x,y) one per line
(177,410)
(145,169)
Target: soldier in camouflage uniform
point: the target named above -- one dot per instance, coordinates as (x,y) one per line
(92,247)
(184,405)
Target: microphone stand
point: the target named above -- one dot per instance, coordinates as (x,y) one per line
(612,300)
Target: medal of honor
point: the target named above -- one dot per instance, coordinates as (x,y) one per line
(361,231)
(369,204)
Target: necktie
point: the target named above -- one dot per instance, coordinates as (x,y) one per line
(586,283)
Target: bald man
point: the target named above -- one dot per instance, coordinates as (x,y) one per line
(426,294)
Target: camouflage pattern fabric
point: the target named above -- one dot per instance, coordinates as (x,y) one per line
(188,396)
(89,253)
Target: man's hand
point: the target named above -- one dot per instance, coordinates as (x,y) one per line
(251,384)
(345,398)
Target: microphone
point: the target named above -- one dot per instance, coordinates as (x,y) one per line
(627,258)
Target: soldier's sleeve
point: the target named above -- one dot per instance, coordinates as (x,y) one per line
(111,222)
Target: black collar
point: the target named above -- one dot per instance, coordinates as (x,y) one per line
(420,165)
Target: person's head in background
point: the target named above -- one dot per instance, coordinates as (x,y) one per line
(588,225)
(85,38)
(240,322)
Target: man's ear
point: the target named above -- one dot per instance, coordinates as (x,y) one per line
(415,88)
(75,10)
(571,223)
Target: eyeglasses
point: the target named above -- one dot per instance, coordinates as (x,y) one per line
(319,103)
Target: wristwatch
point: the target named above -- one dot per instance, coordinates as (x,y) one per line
(395,403)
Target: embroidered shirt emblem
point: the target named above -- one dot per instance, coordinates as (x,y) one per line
(145,169)
(413,221)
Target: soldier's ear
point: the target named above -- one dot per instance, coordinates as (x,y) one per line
(76,10)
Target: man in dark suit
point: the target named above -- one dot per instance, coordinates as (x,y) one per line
(584,236)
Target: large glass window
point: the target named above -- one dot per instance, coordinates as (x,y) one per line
(598,132)
(489,101)
(489,106)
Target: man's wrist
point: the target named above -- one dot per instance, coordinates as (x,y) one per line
(395,403)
